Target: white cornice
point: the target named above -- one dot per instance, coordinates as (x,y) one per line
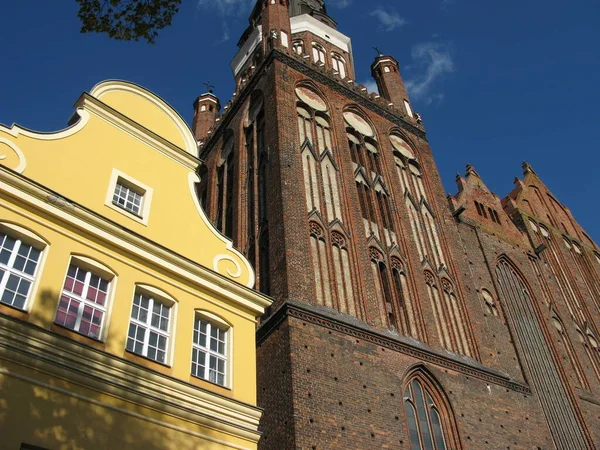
(149,252)
(306,22)
(56,356)
(240,59)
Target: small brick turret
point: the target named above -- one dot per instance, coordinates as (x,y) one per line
(386,73)
(206,108)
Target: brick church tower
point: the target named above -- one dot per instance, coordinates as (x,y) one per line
(403,319)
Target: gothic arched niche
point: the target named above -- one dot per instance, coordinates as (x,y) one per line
(311,96)
(253,108)
(357,121)
(429,416)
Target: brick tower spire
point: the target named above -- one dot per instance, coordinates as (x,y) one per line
(385,71)
(206,108)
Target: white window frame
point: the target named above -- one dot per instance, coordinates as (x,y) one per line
(146,192)
(318,54)
(339,64)
(408,108)
(154,296)
(21,237)
(298,45)
(91,267)
(213,321)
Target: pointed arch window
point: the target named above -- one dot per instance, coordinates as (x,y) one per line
(339,65)
(426,426)
(258,250)
(568,349)
(382,287)
(298,47)
(456,325)
(343,276)
(225,193)
(320,265)
(589,350)
(318,54)
(405,306)
(490,305)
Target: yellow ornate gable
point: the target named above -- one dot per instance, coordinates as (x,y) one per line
(125,132)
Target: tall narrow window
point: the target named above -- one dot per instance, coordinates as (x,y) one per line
(264,247)
(568,349)
(83,301)
(382,288)
(425,426)
(318,54)
(19,263)
(298,47)
(455,317)
(546,379)
(343,277)
(149,327)
(438,311)
(209,351)
(339,65)
(405,306)
(304,125)
(320,266)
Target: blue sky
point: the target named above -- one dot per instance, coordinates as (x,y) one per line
(497,83)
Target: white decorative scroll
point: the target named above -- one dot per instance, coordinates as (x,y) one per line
(220,258)
(239,270)
(22,160)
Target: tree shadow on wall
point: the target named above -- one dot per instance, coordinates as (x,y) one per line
(47,410)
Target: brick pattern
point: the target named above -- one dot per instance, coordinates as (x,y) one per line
(325,385)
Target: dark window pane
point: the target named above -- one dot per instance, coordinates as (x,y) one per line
(422,416)
(437,430)
(413,431)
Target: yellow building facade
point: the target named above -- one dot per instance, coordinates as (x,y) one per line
(126,319)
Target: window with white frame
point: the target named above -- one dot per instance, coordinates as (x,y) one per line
(209,355)
(149,327)
(339,65)
(83,301)
(127,198)
(18,266)
(298,47)
(318,54)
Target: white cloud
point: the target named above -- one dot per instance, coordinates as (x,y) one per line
(390,20)
(341,4)
(432,61)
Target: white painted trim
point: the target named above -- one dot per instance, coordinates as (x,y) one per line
(145,191)
(22,160)
(108,86)
(16,130)
(386,60)
(306,22)
(193,179)
(58,357)
(144,250)
(241,57)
